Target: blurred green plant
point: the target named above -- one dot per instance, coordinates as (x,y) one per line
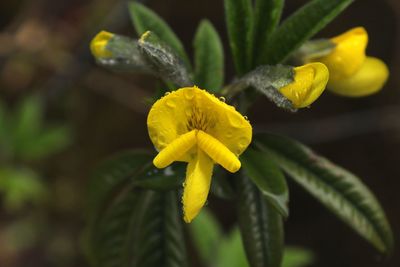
(24,139)
(217,249)
(133,210)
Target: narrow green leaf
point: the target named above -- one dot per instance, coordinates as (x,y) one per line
(339,190)
(231,252)
(48,142)
(266,80)
(208,58)
(239,21)
(206,235)
(169,178)
(268,178)
(144,19)
(301,26)
(267,14)
(297,257)
(163,60)
(112,174)
(221,185)
(26,123)
(160,241)
(125,56)
(260,224)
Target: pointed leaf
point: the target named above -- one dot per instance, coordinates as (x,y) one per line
(163,60)
(339,190)
(239,21)
(267,14)
(144,19)
(160,241)
(268,178)
(206,234)
(260,224)
(301,26)
(208,58)
(167,179)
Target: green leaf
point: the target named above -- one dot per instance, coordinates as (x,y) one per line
(20,187)
(112,174)
(267,80)
(267,14)
(48,142)
(27,123)
(220,184)
(301,26)
(231,252)
(268,178)
(163,60)
(206,235)
(260,224)
(339,190)
(169,178)
(297,257)
(208,58)
(160,241)
(125,56)
(145,19)
(239,21)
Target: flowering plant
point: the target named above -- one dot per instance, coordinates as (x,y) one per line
(134,211)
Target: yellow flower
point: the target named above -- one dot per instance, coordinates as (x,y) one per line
(99,43)
(309,83)
(352,73)
(193,126)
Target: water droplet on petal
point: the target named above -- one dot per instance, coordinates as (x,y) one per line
(167,93)
(171,103)
(222,99)
(246,118)
(235,121)
(189,94)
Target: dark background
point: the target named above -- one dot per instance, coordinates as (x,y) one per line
(44,48)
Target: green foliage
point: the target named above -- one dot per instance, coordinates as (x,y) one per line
(239,22)
(268,177)
(145,19)
(20,187)
(128,223)
(301,26)
(267,14)
(25,137)
(260,224)
(208,58)
(297,257)
(163,60)
(339,190)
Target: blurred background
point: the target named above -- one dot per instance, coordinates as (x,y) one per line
(60,115)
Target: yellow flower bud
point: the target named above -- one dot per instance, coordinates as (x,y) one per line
(348,55)
(371,77)
(99,43)
(309,82)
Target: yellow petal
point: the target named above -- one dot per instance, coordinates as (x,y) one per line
(99,43)
(191,108)
(348,55)
(218,152)
(175,150)
(197,185)
(309,82)
(368,80)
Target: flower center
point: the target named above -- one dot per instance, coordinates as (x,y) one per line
(198,120)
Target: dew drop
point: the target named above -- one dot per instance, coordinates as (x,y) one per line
(189,94)
(222,99)
(246,118)
(167,93)
(235,121)
(171,103)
